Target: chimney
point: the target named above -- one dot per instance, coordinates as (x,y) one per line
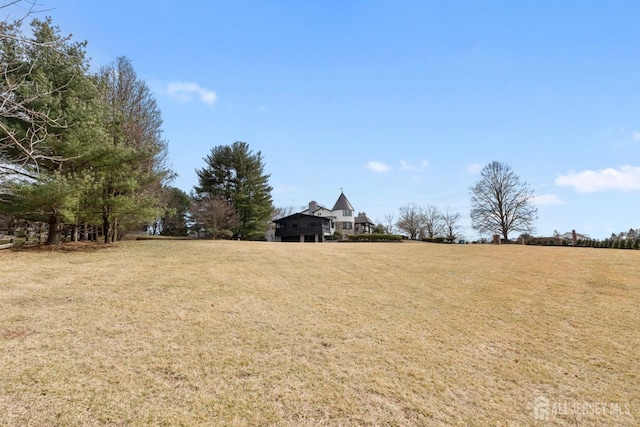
(312,207)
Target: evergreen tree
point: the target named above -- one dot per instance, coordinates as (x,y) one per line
(236,174)
(75,148)
(131,185)
(175,207)
(50,147)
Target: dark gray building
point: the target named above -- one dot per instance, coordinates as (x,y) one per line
(300,227)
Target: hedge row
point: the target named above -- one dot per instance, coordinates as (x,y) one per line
(374,238)
(586,243)
(436,239)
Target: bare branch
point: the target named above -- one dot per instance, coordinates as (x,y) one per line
(500,203)
(411,220)
(19,92)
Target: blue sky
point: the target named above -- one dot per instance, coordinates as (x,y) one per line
(395,101)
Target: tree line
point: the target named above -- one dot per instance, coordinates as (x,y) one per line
(500,204)
(81,149)
(427,223)
(75,147)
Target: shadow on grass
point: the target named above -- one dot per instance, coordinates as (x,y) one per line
(64,247)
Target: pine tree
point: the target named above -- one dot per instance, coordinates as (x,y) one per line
(49,147)
(175,207)
(131,185)
(236,174)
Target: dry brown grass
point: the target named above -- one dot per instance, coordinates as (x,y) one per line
(239,333)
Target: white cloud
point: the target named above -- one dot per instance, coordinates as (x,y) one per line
(636,136)
(378,166)
(184,91)
(547,199)
(474,168)
(626,178)
(405,166)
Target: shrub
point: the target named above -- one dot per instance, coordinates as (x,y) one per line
(375,238)
(636,244)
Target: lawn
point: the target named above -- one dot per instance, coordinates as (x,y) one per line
(246,333)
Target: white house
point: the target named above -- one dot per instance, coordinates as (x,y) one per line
(341,216)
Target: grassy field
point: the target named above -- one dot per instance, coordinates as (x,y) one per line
(240,333)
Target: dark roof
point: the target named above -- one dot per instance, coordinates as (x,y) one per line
(342,204)
(362,218)
(301,215)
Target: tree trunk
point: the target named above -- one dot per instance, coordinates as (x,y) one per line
(74,233)
(107,210)
(105,228)
(85,234)
(114,231)
(53,237)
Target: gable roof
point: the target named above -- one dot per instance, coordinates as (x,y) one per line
(296,216)
(342,204)
(317,209)
(362,218)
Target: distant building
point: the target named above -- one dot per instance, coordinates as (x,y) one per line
(301,227)
(363,225)
(569,236)
(317,223)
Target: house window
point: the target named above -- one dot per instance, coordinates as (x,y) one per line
(346,226)
(347,212)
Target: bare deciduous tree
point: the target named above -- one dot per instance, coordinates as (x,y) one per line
(433,225)
(215,215)
(389,223)
(501,203)
(450,221)
(282,211)
(411,220)
(135,122)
